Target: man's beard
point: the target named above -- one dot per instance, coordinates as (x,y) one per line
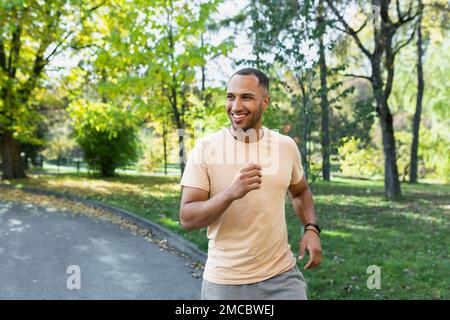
(254,120)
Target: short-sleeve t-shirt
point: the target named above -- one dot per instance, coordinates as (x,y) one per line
(248,243)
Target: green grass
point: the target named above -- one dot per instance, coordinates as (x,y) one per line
(408,239)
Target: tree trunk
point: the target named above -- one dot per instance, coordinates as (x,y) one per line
(107,171)
(12,164)
(181,150)
(391,181)
(304,141)
(165,146)
(391,178)
(420,89)
(178,115)
(203,68)
(382,91)
(181,134)
(324,104)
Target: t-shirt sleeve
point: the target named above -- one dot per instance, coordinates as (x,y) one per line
(297,168)
(196,173)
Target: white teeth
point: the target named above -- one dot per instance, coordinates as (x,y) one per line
(238,116)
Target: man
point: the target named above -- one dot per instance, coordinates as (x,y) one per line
(235,183)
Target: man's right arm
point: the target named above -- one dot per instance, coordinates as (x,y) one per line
(197,210)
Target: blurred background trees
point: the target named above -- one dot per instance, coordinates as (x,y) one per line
(361,86)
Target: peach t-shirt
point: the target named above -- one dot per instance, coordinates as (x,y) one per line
(248,243)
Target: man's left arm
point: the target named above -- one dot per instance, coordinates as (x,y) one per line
(302,201)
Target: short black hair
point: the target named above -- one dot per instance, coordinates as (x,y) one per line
(263,79)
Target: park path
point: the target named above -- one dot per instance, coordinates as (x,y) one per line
(38,245)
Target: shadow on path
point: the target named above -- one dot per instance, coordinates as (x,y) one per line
(38,245)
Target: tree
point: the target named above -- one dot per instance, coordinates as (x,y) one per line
(147,58)
(381,60)
(278,35)
(436,18)
(431,160)
(294,35)
(180,49)
(31,34)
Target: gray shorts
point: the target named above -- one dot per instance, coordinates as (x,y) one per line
(290,285)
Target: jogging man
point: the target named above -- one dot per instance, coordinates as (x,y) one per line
(235,183)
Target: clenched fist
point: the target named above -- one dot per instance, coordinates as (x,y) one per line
(247,179)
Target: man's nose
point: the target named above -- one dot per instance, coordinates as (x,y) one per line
(237,105)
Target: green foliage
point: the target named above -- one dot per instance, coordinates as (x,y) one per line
(434,150)
(356,160)
(366,159)
(32,33)
(281,112)
(146,57)
(315,172)
(434,135)
(106,134)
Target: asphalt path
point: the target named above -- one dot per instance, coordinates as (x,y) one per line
(51,254)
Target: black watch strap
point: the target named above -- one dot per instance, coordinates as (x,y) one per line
(313,230)
(313,225)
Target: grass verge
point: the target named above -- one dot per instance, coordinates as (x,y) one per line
(408,239)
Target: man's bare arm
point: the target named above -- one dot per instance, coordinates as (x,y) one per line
(302,201)
(197,211)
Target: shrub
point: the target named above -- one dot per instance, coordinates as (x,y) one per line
(356,160)
(106,134)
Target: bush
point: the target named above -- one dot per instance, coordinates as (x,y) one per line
(106,134)
(356,160)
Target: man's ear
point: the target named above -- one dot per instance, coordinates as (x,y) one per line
(266,102)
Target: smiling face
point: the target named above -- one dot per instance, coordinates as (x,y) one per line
(246,102)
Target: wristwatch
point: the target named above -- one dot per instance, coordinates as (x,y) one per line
(313,225)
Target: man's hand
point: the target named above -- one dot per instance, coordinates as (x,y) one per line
(311,242)
(247,179)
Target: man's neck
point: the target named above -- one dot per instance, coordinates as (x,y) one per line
(250,135)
